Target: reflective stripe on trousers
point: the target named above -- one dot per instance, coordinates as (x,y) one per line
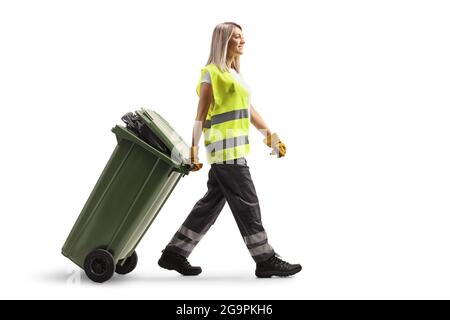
(230,183)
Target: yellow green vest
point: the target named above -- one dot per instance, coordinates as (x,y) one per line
(226,127)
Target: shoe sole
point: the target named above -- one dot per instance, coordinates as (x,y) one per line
(269,274)
(167,266)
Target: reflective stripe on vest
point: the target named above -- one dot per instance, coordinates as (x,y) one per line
(227,116)
(227,123)
(227,143)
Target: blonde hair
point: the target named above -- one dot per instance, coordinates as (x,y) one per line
(219,46)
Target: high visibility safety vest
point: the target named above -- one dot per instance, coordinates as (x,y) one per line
(226,127)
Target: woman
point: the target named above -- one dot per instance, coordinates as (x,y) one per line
(223,116)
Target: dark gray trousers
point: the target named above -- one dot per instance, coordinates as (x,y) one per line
(230,183)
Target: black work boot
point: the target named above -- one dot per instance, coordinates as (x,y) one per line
(174,261)
(274,266)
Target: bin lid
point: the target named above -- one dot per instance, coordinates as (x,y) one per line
(173,141)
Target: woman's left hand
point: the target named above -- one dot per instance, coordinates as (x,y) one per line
(273,141)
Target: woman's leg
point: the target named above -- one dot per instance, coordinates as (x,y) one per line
(198,222)
(236,184)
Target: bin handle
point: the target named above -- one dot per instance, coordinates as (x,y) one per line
(147,114)
(124,132)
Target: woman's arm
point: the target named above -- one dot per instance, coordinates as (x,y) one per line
(202,110)
(271,140)
(258,122)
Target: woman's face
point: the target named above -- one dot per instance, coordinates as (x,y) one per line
(236,43)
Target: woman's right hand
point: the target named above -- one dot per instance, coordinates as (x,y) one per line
(194,159)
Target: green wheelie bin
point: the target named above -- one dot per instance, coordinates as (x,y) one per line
(132,189)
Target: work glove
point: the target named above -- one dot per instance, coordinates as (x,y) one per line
(194,159)
(273,141)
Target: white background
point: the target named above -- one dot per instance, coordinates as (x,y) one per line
(357,90)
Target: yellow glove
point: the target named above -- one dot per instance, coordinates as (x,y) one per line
(194,159)
(273,141)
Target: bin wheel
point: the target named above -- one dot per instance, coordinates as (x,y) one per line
(129,265)
(99,265)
